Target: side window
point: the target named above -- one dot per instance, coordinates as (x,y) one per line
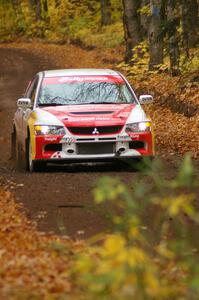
(32,90)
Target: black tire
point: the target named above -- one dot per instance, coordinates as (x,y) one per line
(134,165)
(141,164)
(19,157)
(33,165)
(13,145)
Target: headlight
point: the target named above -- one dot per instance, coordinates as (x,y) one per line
(138,127)
(49,130)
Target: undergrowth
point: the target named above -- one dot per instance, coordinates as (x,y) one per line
(150,253)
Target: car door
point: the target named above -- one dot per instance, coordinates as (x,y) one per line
(31,94)
(18,119)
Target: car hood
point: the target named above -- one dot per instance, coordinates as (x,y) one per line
(90,115)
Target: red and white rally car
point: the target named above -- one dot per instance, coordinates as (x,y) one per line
(79,115)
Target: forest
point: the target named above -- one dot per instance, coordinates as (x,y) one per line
(167,30)
(104,232)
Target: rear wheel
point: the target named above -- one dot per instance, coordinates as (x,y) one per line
(13,145)
(32,165)
(18,154)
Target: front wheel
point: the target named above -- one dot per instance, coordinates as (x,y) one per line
(33,165)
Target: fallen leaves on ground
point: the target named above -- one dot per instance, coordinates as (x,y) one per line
(37,266)
(175,111)
(32,265)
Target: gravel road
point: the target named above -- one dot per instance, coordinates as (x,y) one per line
(60,199)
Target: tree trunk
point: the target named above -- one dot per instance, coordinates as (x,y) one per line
(155,39)
(132,26)
(145,19)
(45,5)
(17,9)
(105,12)
(190,24)
(15,3)
(35,5)
(173,23)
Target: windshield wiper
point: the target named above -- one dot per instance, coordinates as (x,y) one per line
(61,98)
(103,102)
(53,101)
(82,103)
(51,104)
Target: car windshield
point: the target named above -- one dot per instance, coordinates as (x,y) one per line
(73,90)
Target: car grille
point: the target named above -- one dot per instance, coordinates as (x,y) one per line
(95,130)
(95,148)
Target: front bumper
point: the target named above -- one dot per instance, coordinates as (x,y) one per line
(93,148)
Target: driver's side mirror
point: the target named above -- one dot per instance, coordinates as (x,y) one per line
(145,99)
(24,103)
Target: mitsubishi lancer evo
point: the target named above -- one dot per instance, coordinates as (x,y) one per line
(80,115)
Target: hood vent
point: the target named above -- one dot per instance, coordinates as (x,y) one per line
(91,112)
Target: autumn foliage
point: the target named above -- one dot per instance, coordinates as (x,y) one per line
(175,113)
(32,265)
(129,262)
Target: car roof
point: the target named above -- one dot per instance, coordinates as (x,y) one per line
(79,72)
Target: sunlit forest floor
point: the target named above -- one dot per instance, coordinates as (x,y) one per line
(36,265)
(175,111)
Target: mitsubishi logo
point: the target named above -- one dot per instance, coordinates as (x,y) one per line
(95,131)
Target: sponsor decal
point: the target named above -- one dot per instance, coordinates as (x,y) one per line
(56,155)
(135,136)
(88,119)
(83,79)
(50,139)
(68,140)
(123,138)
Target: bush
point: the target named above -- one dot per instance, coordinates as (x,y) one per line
(152,252)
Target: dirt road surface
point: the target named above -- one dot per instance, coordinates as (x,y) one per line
(60,199)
